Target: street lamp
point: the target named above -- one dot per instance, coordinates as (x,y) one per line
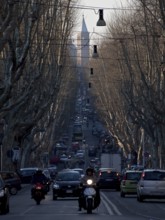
(95,53)
(101,21)
(91,71)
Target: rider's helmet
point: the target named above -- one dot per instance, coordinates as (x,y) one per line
(89,171)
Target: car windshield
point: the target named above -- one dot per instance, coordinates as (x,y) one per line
(27,172)
(133,176)
(68,176)
(80,171)
(156,175)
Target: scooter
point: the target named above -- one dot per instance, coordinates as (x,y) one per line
(38,193)
(91,199)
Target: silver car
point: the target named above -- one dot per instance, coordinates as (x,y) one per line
(151,185)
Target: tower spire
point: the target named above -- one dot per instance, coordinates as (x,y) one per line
(84,27)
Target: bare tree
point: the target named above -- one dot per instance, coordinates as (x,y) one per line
(33,54)
(134,99)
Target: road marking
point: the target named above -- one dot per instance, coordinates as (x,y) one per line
(26,211)
(107,207)
(107,202)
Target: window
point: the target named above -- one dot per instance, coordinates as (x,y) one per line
(133,176)
(156,175)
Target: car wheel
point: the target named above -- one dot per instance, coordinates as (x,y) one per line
(13,191)
(122,194)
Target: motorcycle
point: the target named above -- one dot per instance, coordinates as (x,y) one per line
(38,193)
(91,196)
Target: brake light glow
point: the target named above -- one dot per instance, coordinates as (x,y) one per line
(38,187)
(143,175)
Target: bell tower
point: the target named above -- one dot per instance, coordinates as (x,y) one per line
(83,46)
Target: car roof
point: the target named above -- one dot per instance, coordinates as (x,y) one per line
(153,170)
(29,168)
(68,171)
(77,169)
(107,169)
(133,171)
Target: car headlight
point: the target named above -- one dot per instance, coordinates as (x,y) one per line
(56,186)
(2,193)
(89,182)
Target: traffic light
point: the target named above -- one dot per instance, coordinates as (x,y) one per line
(95,54)
(91,71)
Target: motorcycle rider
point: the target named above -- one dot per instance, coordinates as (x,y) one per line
(38,177)
(89,174)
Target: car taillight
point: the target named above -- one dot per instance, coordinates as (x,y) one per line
(143,175)
(38,187)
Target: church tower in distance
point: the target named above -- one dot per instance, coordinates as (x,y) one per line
(83,46)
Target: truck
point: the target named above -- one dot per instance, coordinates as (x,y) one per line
(111,160)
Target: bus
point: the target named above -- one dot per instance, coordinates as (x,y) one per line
(77,133)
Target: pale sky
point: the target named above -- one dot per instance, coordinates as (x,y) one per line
(90,9)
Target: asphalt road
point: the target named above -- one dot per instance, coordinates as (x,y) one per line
(112,207)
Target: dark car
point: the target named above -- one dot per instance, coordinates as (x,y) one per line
(26,174)
(4,197)
(12,180)
(66,184)
(109,179)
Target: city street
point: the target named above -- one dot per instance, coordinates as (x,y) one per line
(112,207)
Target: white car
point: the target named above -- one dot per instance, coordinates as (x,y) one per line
(64,158)
(151,185)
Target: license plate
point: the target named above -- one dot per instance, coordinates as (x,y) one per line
(69,191)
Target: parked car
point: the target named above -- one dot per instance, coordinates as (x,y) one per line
(12,180)
(66,184)
(4,197)
(109,179)
(151,185)
(129,182)
(27,173)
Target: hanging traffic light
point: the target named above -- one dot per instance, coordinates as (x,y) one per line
(95,54)
(101,21)
(91,71)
